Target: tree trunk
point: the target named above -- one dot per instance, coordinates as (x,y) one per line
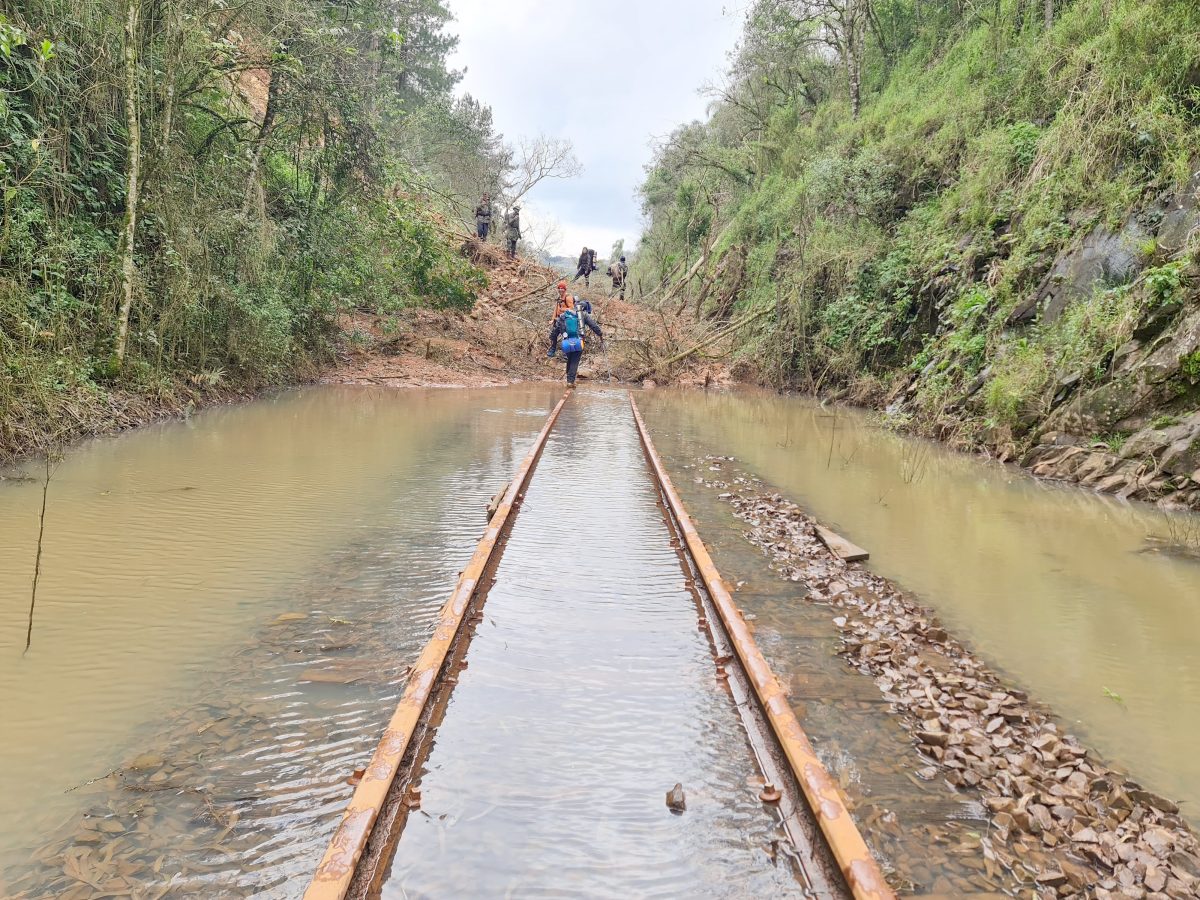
(855,84)
(1049,12)
(853,40)
(253,188)
(132,183)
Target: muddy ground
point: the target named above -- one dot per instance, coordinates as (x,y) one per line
(504,338)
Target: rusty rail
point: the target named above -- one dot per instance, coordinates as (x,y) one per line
(336,872)
(858,867)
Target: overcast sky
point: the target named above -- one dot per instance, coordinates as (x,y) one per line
(609,76)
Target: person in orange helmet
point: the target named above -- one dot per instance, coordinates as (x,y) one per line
(565,301)
(569,321)
(569,301)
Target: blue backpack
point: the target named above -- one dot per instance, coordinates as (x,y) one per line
(571,328)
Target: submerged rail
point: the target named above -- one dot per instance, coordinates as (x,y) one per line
(334,875)
(374,803)
(858,867)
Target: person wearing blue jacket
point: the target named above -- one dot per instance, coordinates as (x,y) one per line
(569,325)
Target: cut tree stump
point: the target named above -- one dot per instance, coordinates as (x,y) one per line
(840,547)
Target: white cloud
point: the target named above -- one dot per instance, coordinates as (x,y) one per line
(609,76)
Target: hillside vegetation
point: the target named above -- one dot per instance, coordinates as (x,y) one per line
(979,215)
(194,190)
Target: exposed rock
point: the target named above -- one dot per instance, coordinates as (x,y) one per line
(1102,258)
(1181,219)
(676,800)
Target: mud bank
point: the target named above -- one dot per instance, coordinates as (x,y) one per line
(96,415)
(1062,822)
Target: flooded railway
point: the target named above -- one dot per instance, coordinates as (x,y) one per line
(594,680)
(232,606)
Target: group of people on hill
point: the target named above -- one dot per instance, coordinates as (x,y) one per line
(618,272)
(571,314)
(512,224)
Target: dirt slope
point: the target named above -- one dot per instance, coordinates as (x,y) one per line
(503,340)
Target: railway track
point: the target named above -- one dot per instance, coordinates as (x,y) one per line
(825,852)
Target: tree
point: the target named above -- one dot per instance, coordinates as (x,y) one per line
(538,159)
(132,173)
(422,48)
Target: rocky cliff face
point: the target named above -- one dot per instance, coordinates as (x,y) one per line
(1133,427)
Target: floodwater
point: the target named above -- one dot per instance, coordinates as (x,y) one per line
(228,604)
(589,692)
(1071,595)
(225,610)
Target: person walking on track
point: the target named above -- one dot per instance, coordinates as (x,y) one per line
(569,325)
(512,230)
(483,217)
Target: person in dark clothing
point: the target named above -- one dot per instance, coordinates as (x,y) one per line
(512,231)
(584,270)
(483,217)
(569,325)
(620,276)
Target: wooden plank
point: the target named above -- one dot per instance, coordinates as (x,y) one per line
(840,547)
(831,688)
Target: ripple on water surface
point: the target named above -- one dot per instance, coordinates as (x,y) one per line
(589,693)
(1062,590)
(227,609)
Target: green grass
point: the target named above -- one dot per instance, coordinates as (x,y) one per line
(910,234)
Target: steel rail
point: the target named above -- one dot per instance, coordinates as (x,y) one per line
(334,875)
(862,874)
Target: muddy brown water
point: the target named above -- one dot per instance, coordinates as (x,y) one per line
(228,605)
(589,692)
(225,609)
(1074,596)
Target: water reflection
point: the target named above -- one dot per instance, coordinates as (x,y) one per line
(226,607)
(589,693)
(1063,590)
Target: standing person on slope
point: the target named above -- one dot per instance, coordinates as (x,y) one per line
(583,270)
(570,324)
(512,230)
(483,217)
(619,273)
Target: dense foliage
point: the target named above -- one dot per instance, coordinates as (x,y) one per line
(225,178)
(894,178)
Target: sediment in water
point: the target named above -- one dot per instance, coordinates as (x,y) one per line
(1062,822)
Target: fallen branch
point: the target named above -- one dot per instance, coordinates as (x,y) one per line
(37,560)
(706,342)
(691,273)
